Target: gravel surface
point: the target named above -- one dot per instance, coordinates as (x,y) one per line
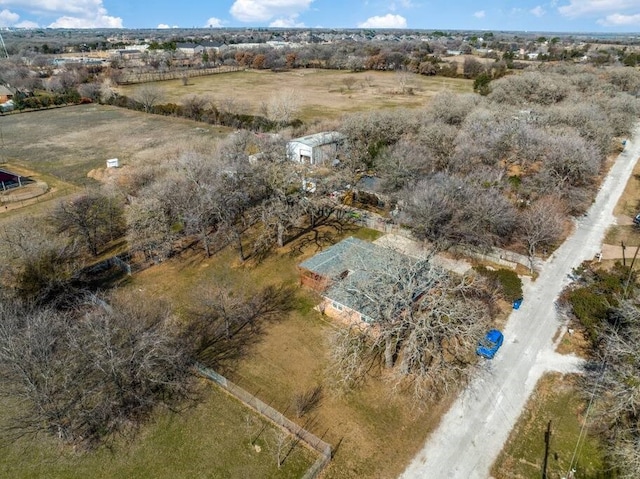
(474,431)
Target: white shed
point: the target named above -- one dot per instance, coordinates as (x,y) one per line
(315,149)
(113,163)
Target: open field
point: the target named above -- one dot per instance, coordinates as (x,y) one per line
(322,94)
(67,143)
(376,429)
(557,400)
(210,440)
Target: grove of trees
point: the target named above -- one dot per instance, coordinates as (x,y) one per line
(499,169)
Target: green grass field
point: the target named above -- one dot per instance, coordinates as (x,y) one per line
(211,440)
(557,400)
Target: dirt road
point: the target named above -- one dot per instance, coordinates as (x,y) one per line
(473,432)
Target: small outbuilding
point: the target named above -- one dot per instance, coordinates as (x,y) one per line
(317,149)
(113,163)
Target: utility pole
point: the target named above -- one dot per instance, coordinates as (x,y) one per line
(547,441)
(624,260)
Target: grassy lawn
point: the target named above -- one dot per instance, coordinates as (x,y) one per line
(557,400)
(376,429)
(322,94)
(211,440)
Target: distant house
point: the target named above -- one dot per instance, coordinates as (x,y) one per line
(316,149)
(212,46)
(6,94)
(337,272)
(189,49)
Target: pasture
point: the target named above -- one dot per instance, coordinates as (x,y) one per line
(217,438)
(320,94)
(67,143)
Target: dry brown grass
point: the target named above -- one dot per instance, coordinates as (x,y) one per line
(67,143)
(322,94)
(376,429)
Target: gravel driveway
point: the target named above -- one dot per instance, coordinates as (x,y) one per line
(474,431)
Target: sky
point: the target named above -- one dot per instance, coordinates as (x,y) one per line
(521,15)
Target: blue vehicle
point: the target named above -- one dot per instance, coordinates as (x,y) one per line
(489,345)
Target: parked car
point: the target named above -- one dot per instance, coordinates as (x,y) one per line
(489,345)
(636,220)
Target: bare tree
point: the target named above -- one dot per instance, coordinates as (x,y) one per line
(150,227)
(282,107)
(43,265)
(194,106)
(349,82)
(445,209)
(148,96)
(97,369)
(612,380)
(423,323)
(541,224)
(90,90)
(223,323)
(92,217)
(472,67)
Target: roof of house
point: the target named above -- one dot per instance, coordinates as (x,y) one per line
(186,45)
(319,139)
(350,263)
(5,91)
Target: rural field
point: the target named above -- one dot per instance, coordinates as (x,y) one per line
(210,439)
(321,94)
(63,146)
(556,400)
(67,143)
(375,429)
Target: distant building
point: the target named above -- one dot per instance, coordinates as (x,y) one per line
(6,94)
(189,49)
(316,149)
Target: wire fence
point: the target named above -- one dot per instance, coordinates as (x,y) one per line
(130,78)
(311,440)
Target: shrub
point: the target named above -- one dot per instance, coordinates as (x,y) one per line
(509,282)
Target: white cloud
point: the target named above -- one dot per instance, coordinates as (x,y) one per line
(98,21)
(538,11)
(618,19)
(164,26)
(287,22)
(27,24)
(387,21)
(214,22)
(8,18)
(479,14)
(56,6)
(578,8)
(72,13)
(263,10)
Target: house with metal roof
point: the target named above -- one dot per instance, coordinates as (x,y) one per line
(339,272)
(317,149)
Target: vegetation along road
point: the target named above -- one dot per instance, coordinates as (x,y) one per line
(476,427)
